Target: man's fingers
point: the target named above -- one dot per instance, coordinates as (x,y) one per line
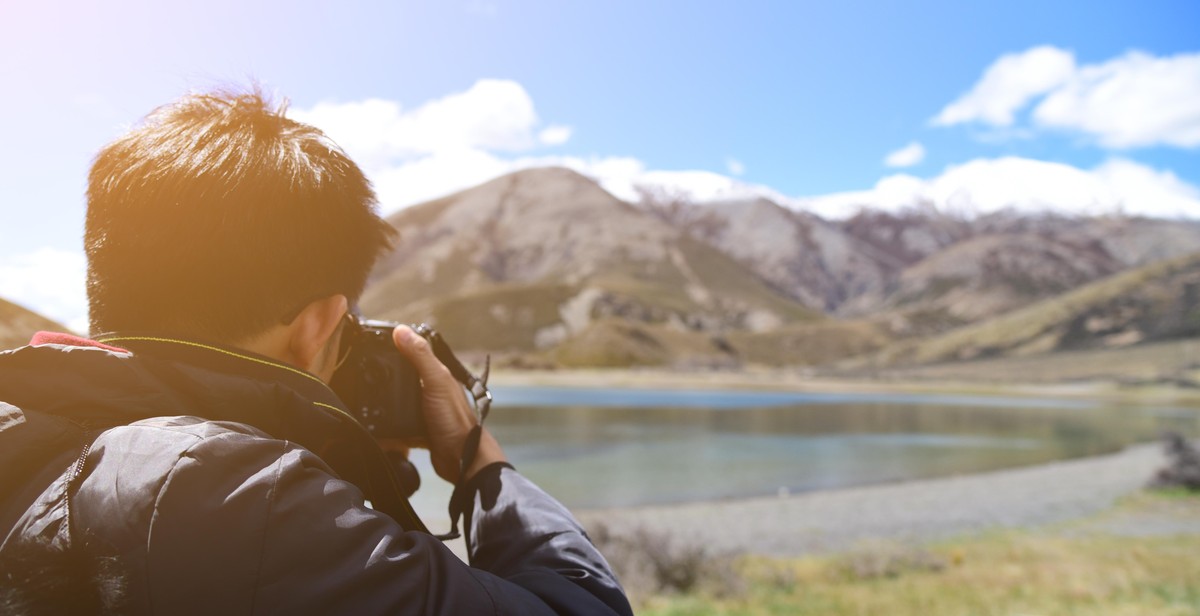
(418,351)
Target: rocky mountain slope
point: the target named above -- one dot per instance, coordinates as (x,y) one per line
(530,261)
(926,271)
(17,325)
(545,263)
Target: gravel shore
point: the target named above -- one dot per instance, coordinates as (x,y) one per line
(917,511)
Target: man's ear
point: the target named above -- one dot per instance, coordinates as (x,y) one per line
(310,332)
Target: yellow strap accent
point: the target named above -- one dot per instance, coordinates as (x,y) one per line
(238,355)
(331,407)
(217,349)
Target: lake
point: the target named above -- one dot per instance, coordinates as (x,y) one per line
(596,448)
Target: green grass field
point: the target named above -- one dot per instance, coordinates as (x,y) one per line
(1065,570)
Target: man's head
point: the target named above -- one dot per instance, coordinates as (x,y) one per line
(217,217)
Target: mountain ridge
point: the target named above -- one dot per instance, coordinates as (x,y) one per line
(546,264)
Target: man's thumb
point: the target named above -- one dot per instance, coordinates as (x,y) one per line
(418,351)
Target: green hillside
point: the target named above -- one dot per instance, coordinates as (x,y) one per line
(1152,303)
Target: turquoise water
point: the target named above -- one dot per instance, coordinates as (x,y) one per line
(606,447)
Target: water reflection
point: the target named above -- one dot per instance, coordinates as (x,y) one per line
(600,455)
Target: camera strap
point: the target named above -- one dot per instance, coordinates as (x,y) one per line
(462,498)
(475,385)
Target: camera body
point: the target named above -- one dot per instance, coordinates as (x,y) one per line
(378,385)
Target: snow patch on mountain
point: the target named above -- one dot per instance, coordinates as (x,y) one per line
(697,187)
(1022,185)
(975,188)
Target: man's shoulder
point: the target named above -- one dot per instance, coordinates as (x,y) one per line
(159,444)
(187,430)
(173,470)
(143,458)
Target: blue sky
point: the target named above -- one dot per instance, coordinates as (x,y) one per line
(805,98)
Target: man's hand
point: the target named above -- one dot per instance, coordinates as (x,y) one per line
(448,415)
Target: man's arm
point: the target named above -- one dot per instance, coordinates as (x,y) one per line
(246,524)
(324,548)
(526,537)
(251,523)
(514,529)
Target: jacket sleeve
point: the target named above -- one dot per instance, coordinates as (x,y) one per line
(301,541)
(521,534)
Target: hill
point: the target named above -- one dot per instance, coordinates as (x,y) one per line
(18,324)
(1152,303)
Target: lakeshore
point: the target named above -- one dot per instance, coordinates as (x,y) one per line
(986,378)
(917,511)
(1072,537)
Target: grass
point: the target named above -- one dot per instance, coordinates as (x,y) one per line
(1044,572)
(809,344)
(1175,361)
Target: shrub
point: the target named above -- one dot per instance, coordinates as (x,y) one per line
(648,562)
(1183,464)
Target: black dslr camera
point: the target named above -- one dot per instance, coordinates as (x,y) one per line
(381,389)
(378,385)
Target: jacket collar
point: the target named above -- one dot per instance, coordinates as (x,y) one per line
(125,377)
(227,360)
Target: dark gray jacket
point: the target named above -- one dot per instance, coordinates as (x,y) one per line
(224,483)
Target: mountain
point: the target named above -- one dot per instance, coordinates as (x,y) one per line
(925,271)
(545,265)
(535,259)
(956,271)
(17,325)
(798,254)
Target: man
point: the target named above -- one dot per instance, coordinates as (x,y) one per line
(193,459)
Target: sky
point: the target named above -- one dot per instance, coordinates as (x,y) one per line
(1082,107)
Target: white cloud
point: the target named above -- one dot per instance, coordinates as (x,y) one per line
(436,175)
(1008,85)
(892,193)
(465,139)
(1153,193)
(449,171)
(624,177)
(1135,100)
(555,134)
(1131,101)
(695,186)
(988,185)
(906,156)
(49,281)
(365,129)
(442,146)
(493,114)
(409,163)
